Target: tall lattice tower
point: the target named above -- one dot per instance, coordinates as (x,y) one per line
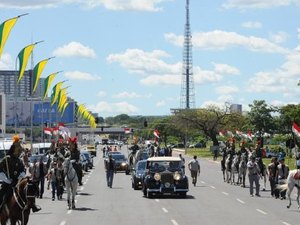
(187,97)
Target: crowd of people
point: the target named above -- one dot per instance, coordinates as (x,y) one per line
(16,166)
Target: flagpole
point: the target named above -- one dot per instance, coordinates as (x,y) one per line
(15,96)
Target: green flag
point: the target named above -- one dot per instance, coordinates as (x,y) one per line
(23,57)
(55,91)
(5,29)
(37,71)
(48,82)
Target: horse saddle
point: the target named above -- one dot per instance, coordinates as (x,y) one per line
(297,175)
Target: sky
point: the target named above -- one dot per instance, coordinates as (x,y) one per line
(125,56)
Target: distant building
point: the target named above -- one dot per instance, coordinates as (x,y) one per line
(2,113)
(10,87)
(236,108)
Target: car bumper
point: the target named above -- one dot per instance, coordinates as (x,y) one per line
(162,190)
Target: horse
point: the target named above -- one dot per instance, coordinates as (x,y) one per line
(242,170)
(18,206)
(234,169)
(293,180)
(71,182)
(228,165)
(263,171)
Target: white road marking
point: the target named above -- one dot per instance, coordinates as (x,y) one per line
(81,189)
(213,187)
(285,223)
(202,182)
(165,210)
(225,193)
(62,222)
(157,200)
(174,222)
(239,200)
(261,211)
(69,211)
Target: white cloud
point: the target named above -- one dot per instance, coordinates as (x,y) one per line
(126,94)
(225,69)
(226,90)
(6,62)
(158,80)
(101,94)
(116,5)
(281,80)
(254,4)
(252,24)
(221,40)
(161,103)
(114,108)
(74,49)
(77,75)
(279,37)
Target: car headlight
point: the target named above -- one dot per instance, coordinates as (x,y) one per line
(157,176)
(177,176)
(123,164)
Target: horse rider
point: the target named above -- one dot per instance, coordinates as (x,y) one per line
(75,156)
(11,171)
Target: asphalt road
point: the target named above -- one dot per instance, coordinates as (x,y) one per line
(211,202)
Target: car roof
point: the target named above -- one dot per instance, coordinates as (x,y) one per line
(162,159)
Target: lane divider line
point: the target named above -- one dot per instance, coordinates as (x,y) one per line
(174,222)
(261,211)
(239,200)
(165,210)
(225,193)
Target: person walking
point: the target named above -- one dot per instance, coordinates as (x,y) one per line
(253,175)
(272,172)
(194,167)
(283,172)
(110,167)
(182,162)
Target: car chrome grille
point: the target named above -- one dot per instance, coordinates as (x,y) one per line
(167,177)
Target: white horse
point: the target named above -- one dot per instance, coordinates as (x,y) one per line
(243,170)
(71,181)
(291,182)
(234,169)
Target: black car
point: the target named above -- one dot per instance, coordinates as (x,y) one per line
(89,158)
(121,163)
(165,176)
(138,174)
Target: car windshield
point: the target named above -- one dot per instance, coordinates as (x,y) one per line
(165,165)
(141,165)
(87,155)
(118,156)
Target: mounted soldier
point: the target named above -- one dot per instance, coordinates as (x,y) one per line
(12,170)
(75,157)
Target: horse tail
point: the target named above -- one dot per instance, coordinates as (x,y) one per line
(282,187)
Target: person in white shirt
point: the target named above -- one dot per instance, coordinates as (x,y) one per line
(194,167)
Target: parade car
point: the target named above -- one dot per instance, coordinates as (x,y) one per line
(138,173)
(164,175)
(121,163)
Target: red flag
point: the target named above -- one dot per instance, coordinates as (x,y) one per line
(296,129)
(48,130)
(60,124)
(127,130)
(55,130)
(156,133)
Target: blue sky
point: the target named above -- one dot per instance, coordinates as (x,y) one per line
(125,56)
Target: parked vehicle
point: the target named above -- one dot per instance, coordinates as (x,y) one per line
(91,149)
(41,148)
(84,162)
(89,158)
(138,173)
(165,176)
(121,163)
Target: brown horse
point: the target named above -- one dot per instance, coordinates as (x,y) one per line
(17,208)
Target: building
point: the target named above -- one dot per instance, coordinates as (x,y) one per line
(236,108)
(2,113)
(11,88)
